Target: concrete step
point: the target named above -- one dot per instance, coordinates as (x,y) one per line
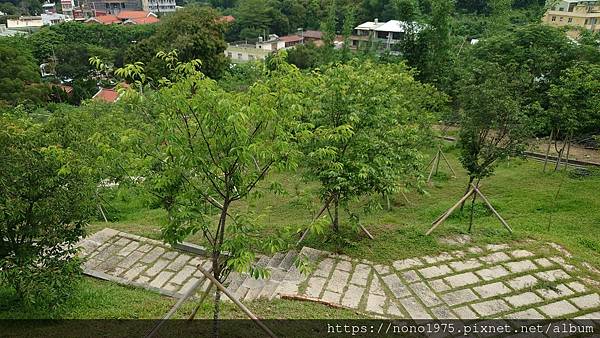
(288,260)
(276,260)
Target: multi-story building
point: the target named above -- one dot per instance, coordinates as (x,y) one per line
(244,51)
(113,7)
(385,34)
(575,13)
(67,7)
(159,6)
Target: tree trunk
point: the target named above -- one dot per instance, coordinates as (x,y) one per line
(548,149)
(437,162)
(568,150)
(336,218)
(471,179)
(216,266)
(472,212)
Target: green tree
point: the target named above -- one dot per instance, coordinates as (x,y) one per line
(19,76)
(494,122)
(209,150)
(368,123)
(45,201)
(195,32)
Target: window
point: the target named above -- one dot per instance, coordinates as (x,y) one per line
(239,56)
(561,19)
(570,20)
(586,22)
(229,55)
(553,18)
(250,57)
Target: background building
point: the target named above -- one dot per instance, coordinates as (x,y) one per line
(576,13)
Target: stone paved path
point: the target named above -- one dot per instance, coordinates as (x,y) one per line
(495,281)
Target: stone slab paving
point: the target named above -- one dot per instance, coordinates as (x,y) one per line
(478,282)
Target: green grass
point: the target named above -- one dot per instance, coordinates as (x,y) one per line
(519,190)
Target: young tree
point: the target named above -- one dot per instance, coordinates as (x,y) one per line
(211,149)
(494,125)
(368,121)
(46,198)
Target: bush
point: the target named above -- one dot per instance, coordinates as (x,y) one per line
(46,196)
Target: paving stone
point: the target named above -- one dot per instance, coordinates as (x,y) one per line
(128,248)
(128,261)
(375,303)
(521,266)
(161,279)
(152,255)
(468,264)
(492,290)
(490,307)
(375,287)
(553,275)
(443,312)
(526,298)
(338,281)
(492,273)
(360,275)
(543,262)
(521,253)
(324,268)
(438,285)
(425,294)
(393,311)
(183,274)
(122,241)
(558,291)
(405,264)
(593,316)
(134,272)
(558,309)
(145,248)
(189,284)
(353,296)
(195,261)
(395,285)
(332,297)
(522,282)
(475,250)
(170,254)
(577,287)
(435,271)
(344,265)
(411,276)
(315,286)
(179,262)
(586,302)
(496,247)
(496,257)
(157,267)
(462,279)
(561,249)
(414,309)
(287,288)
(458,254)
(459,297)
(464,312)
(108,252)
(526,314)
(382,269)
(443,257)
(143,279)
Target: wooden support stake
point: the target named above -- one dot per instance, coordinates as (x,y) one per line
(450,211)
(366,231)
(201,301)
(311,299)
(432,169)
(102,212)
(493,210)
(548,149)
(448,163)
(437,162)
(176,307)
(238,303)
(314,219)
(405,198)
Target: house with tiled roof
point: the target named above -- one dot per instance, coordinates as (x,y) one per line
(126,17)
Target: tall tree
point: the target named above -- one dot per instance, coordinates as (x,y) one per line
(368,121)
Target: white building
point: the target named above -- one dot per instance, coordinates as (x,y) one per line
(67,7)
(385,33)
(159,6)
(244,51)
(25,23)
(50,19)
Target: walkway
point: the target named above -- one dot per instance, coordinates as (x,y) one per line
(495,281)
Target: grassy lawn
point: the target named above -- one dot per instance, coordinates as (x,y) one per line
(519,191)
